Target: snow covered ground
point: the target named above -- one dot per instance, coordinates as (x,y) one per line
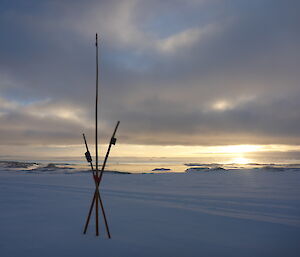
(219,213)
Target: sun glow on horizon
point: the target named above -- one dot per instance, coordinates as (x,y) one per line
(240,160)
(228,153)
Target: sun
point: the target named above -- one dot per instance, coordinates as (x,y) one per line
(240,160)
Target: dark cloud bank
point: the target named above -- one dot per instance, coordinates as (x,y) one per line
(177,72)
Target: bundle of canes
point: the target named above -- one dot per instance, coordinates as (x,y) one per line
(97,179)
(96,175)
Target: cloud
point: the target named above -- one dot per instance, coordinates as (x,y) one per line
(174,72)
(182,39)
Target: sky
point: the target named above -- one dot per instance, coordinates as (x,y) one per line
(185,78)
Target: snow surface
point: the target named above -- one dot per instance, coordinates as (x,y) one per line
(219,213)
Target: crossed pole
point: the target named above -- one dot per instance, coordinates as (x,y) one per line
(97,180)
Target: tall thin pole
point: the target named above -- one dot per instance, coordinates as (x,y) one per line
(96,107)
(96,135)
(97,177)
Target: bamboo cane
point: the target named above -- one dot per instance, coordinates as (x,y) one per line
(104,216)
(89,159)
(88,155)
(96,133)
(112,142)
(89,215)
(96,107)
